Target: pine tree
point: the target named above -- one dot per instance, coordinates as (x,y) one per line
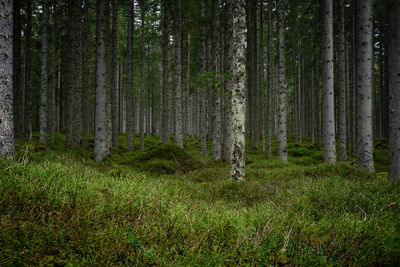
(44,114)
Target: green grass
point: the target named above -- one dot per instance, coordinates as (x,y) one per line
(169,206)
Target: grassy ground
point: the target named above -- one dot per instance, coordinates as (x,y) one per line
(169,206)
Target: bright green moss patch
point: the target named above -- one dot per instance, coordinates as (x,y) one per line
(169,206)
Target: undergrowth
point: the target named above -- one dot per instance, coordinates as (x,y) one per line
(169,206)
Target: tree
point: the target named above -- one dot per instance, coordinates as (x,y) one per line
(237,170)
(44,114)
(6,86)
(394,90)
(17,76)
(342,85)
(114,74)
(142,93)
(269,84)
(178,75)
(28,73)
(365,158)
(54,75)
(202,94)
(165,73)
(282,135)
(100,134)
(85,74)
(130,143)
(328,108)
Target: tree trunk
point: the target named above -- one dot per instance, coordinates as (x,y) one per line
(342,85)
(28,73)
(364,37)
(328,113)
(202,95)
(17,75)
(282,135)
(142,94)
(394,90)
(237,171)
(6,82)
(130,143)
(44,114)
(164,111)
(261,97)
(85,75)
(114,74)
(54,78)
(178,74)
(216,147)
(270,82)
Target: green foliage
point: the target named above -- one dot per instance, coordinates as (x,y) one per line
(59,207)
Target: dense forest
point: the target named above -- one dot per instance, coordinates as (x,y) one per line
(209,132)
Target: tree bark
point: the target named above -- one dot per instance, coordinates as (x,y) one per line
(28,73)
(342,85)
(6,82)
(17,75)
(270,81)
(142,93)
(202,95)
(129,80)
(178,74)
(365,158)
(44,114)
(164,111)
(114,74)
(216,147)
(328,113)
(85,75)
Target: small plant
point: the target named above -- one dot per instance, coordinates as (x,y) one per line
(133,239)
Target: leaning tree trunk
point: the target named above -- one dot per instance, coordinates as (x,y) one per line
(18,93)
(85,75)
(44,114)
(130,143)
(100,133)
(178,75)
(365,158)
(216,147)
(282,135)
(328,106)
(114,75)
(28,73)
(6,86)
(164,111)
(237,171)
(394,90)
(342,85)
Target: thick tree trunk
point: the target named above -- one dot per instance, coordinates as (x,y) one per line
(342,85)
(237,171)
(44,114)
(28,73)
(216,147)
(85,75)
(270,81)
(328,112)
(100,137)
(164,110)
(365,158)
(281,131)
(114,74)
(394,90)
(178,74)
(17,75)
(6,82)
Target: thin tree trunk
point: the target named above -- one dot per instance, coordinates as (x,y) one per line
(164,114)
(216,147)
(178,74)
(6,82)
(44,114)
(270,82)
(202,95)
(114,74)
(28,73)
(237,171)
(85,75)
(261,98)
(328,114)
(365,158)
(342,85)
(54,78)
(130,143)
(17,75)
(142,93)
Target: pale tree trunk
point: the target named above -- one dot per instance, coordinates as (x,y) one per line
(114,74)
(100,137)
(44,114)
(202,95)
(342,85)
(228,50)
(178,74)
(365,158)
(74,83)
(142,94)
(164,111)
(328,112)
(237,170)
(130,143)
(270,82)
(216,147)
(394,90)
(281,131)
(17,75)
(6,82)
(28,73)
(85,75)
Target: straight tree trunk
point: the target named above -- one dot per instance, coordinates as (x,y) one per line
(261,98)
(394,90)
(178,74)
(328,112)
(44,81)
(129,80)
(255,102)
(54,78)
(142,93)
(354,84)
(281,131)
(17,75)
(342,84)
(216,147)
(270,82)
(365,158)
(164,114)
(6,82)
(114,74)
(100,137)
(237,170)
(28,73)
(202,95)
(85,75)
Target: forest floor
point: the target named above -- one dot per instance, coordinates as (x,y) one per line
(169,206)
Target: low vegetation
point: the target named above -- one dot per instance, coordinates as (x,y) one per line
(169,206)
